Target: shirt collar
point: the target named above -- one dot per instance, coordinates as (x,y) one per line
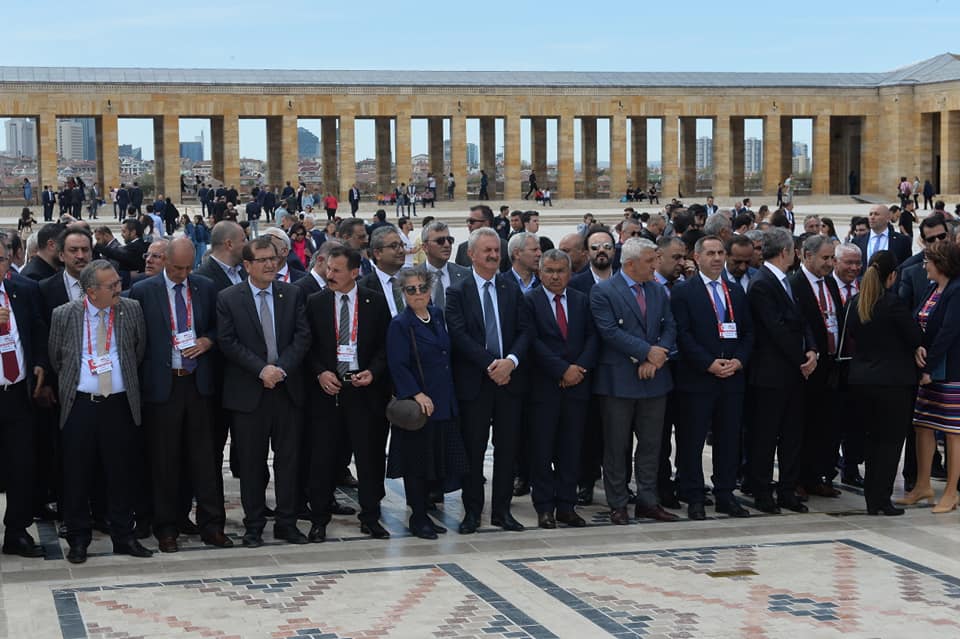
(170,283)
(626,278)
(707,280)
(320,281)
(225,267)
(480,281)
(351,295)
(550,296)
(843,285)
(433,269)
(874,234)
(776,271)
(810,276)
(256,291)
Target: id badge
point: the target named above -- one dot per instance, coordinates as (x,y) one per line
(831,322)
(184,340)
(7,343)
(728,330)
(346,353)
(100,364)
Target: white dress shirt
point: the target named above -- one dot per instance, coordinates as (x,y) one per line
(720,294)
(780,275)
(15,334)
(387,288)
(496,309)
(233,272)
(256,305)
(175,360)
(88,381)
(351,306)
(74,291)
(553,305)
(831,310)
(877,242)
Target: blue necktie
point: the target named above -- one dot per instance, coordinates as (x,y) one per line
(786,284)
(188,364)
(717,302)
(490,323)
(876,245)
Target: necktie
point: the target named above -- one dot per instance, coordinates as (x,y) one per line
(188,364)
(849,292)
(397,294)
(234,274)
(717,302)
(11,369)
(266,322)
(490,323)
(641,299)
(831,340)
(786,285)
(876,246)
(343,338)
(105,380)
(439,296)
(561,316)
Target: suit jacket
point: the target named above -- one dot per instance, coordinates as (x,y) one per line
(751,273)
(372,282)
(699,337)
(156,366)
(583,281)
(354,196)
(433,349)
(626,338)
(810,307)
(885,344)
(24,297)
(464,315)
(308,285)
(53,293)
(212,271)
(240,338)
(913,285)
(136,196)
(37,269)
(942,335)
(898,243)
(781,334)
(551,354)
(464,260)
(129,256)
(66,348)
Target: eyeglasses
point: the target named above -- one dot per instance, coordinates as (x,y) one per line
(393,246)
(440,241)
(606,246)
(153,256)
(935,238)
(419,288)
(472,220)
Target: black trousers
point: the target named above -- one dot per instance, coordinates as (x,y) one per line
(556,432)
(851,432)
(103,430)
(17,428)
(180,446)
(777,429)
(273,424)
(591,450)
(665,483)
(47,464)
(720,412)
(497,408)
(885,413)
(356,413)
(821,430)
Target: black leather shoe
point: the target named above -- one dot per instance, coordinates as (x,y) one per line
(22,545)
(132,547)
(77,554)
(765,504)
(571,519)
(670,500)
(423,531)
(585,495)
(336,508)
(469,524)
(142,530)
(852,480)
(793,503)
(291,535)
(521,487)
(269,512)
(305,515)
(252,539)
(347,480)
(437,528)
(732,508)
(375,530)
(887,509)
(187,527)
(317,534)
(695,512)
(546,520)
(506,521)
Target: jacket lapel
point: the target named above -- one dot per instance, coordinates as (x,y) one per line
(247,302)
(630,299)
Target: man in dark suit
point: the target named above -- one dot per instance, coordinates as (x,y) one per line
(263,333)
(130,256)
(784,355)
(122,201)
(317,275)
(564,350)
(353,232)
(136,197)
(348,360)
(715,335)
(44,263)
(354,199)
(388,257)
(48,199)
(819,300)
(178,382)
(739,250)
(437,246)
(23,340)
(489,334)
(96,346)
(223,266)
(481,216)
(882,237)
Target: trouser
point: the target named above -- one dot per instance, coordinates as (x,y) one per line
(665,484)
(720,412)
(818,452)
(643,418)
(885,413)
(498,408)
(17,427)
(777,429)
(591,449)
(555,436)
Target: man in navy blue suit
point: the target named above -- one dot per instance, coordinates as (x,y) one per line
(638,335)
(488,327)
(178,390)
(715,334)
(739,250)
(564,349)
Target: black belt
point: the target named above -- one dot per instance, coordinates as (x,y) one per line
(97,399)
(12,387)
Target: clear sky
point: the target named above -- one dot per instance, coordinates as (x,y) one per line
(695,35)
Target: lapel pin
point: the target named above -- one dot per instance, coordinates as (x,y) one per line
(620,321)
(280,295)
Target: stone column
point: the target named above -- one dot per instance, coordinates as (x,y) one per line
(950,152)
(166,154)
(108,155)
(513,186)
(47,151)
(384,157)
(332,172)
(821,155)
(488,152)
(347,159)
(737,148)
(458,157)
(566,178)
(870,156)
(670,160)
(721,157)
(588,155)
(538,150)
(618,155)
(772,154)
(639,172)
(688,156)
(786,146)
(283,150)
(225,148)
(435,146)
(404,161)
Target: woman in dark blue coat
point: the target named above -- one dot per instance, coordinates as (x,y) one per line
(433,455)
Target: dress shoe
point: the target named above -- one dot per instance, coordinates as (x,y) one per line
(852,480)
(707,501)
(585,496)
(546,520)
(269,512)
(506,521)
(77,554)
(289,534)
(437,528)
(823,489)
(22,545)
(167,544)
(347,480)
(187,527)
(696,512)
(887,509)
(469,524)
(670,500)
(521,487)
(47,513)
(423,530)
(142,530)
(336,508)
(252,539)
(915,496)
(765,504)
(375,530)
(792,502)
(619,516)
(946,504)
(131,547)
(654,512)
(317,534)
(732,507)
(802,494)
(571,519)
(216,538)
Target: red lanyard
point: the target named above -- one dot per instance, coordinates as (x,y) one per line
(286,276)
(726,296)
(6,305)
(356,314)
(173,326)
(826,298)
(86,317)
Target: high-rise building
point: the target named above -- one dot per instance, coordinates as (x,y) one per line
(704,158)
(21,138)
(752,156)
(473,156)
(129,151)
(89,128)
(70,139)
(192,151)
(308,143)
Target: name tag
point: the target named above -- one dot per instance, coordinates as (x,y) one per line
(186,339)
(100,364)
(7,343)
(831,322)
(346,353)
(728,330)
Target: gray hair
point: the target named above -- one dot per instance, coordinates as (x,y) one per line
(378,235)
(324,250)
(418,272)
(277,232)
(432,227)
(847,248)
(556,255)
(478,233)
(814,243)
(658,218)
(518,242)
(88,276)
(716,224)
(223,231)
(754,235)
(32,243)
(634,247)
(775,241)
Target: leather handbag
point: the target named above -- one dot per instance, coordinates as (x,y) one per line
(406,414)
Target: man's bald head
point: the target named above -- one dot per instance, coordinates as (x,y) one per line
(879,218)
(573,245)
(180,256)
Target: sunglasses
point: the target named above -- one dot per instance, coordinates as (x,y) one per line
(440,241)
(606,246)
(935,238)
(419,288)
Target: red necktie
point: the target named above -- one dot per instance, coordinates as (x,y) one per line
(561,317)
(831,340)
(11,370)
(849,293)
(641,299)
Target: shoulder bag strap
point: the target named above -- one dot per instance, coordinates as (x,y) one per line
(416,357)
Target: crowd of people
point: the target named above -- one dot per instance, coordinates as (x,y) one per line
(127,366)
